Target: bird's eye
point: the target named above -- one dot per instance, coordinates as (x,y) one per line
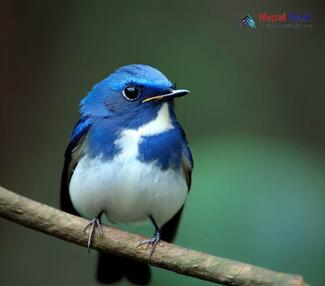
(131,93)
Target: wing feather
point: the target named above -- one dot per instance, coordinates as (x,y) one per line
(72,155)
(187,164)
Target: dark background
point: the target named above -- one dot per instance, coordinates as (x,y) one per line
(254,119)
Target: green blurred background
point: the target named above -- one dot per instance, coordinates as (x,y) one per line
(255,121)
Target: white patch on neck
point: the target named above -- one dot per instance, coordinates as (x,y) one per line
(160,124)
(130,138)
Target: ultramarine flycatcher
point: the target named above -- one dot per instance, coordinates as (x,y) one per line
(129,159)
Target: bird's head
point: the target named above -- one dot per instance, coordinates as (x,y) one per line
(131,88)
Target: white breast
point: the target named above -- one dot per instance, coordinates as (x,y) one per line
(125,188)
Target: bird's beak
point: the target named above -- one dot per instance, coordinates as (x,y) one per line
(173,93)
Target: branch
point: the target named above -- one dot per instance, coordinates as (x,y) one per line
(168,256)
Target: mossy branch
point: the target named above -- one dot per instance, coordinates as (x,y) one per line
(184,261)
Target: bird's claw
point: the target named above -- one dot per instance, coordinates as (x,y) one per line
(151,242)
(91,224)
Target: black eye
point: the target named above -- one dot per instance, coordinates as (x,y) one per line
(131,92)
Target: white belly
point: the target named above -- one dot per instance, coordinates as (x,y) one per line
(127,190)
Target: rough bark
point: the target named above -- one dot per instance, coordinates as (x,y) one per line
(184,261)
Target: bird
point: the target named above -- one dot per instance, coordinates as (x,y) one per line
(128,159)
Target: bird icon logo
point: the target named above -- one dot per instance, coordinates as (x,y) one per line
(248,21)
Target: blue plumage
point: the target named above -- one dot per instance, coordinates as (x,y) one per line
(128,158)
(109,113)
(80,129)
(165,149)
(105,98)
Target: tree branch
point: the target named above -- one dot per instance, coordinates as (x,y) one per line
(168,256)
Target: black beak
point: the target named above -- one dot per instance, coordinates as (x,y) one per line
(173,93)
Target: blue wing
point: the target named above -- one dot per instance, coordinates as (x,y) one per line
(71,158)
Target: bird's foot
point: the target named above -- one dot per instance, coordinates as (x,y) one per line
(152,242)
(92,223)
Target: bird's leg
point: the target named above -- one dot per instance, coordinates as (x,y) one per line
(152,241)
(91,225)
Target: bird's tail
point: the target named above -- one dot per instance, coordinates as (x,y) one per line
(112,268)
